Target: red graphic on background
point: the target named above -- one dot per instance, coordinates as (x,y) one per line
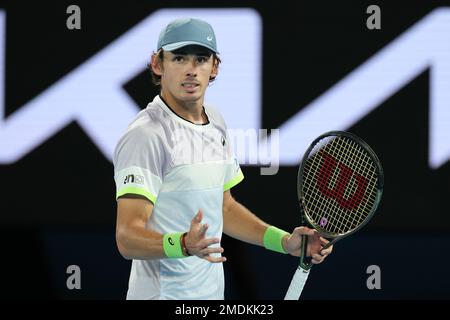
(345,173)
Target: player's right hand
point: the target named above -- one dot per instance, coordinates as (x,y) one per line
(198,245)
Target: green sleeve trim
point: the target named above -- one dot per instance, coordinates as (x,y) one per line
(273,239)
(230,184)
(139,191)
(172,245)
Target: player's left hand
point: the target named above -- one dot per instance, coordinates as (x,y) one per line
(292,244)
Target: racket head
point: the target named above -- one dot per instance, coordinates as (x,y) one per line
(340,184)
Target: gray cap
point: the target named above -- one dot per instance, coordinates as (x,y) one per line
(187,31)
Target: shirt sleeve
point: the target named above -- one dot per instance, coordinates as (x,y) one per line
(233,174)
(138,164)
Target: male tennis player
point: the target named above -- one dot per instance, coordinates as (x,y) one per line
(174,169)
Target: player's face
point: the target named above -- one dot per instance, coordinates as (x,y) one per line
(186,73)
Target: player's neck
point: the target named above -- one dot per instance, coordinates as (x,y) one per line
(191,111)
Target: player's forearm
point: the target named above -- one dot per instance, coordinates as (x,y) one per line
(135,242)
(242,224)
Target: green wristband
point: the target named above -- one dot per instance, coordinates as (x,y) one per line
(273,239)
(172,245)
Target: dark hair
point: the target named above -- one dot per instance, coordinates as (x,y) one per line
(156,79)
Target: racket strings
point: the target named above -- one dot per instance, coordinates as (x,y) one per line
(337,224)
(368,171)
(318,203)
(339,185)
(357,189)
(345,175)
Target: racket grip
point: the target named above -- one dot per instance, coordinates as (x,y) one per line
(297,284)
(305,262)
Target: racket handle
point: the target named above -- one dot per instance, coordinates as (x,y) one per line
(297,284)
(305,262)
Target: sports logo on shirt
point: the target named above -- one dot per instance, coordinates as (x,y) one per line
(133,178)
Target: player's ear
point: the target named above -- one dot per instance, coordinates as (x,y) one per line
(215,69)
(156,64)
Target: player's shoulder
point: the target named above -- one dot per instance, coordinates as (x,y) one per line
(215,115)
(144,130)
(149,122)
(141,127)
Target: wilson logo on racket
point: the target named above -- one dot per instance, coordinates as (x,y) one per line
(341,182)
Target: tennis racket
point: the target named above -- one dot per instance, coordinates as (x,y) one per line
(339,186)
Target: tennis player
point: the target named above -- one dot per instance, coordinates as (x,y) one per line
(174,169)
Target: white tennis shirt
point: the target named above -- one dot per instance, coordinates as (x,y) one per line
(181,167)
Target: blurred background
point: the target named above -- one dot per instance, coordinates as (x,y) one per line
(302,67)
